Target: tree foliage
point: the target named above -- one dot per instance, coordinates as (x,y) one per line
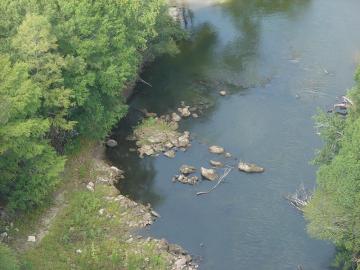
(64,66)
(334,211)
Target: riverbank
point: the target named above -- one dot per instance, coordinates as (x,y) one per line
(90,225)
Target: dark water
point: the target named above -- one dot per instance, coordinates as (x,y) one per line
(280,60)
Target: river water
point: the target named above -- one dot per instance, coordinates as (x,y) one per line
(279,60)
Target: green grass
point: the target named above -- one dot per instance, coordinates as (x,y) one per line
(102,240)
(8,259)
(79,225)
(152,126)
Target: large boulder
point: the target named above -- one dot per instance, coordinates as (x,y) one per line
(209,174)
(216,149)
(187,169)
(250,168)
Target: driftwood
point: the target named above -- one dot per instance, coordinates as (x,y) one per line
(300,198)
(226,172)
(145,82)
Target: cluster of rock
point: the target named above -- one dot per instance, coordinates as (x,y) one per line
(109,176)
(211,174)
(162,136)
(163,141)
(178,258)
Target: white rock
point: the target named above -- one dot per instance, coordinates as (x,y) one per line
(216,149)
(111,143)
(222,93)
(90,186)
(175,117)
(31,238)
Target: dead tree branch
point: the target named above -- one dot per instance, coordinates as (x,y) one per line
(300,198)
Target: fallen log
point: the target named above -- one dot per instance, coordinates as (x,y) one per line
(226,172)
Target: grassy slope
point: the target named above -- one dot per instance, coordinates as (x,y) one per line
(78,225)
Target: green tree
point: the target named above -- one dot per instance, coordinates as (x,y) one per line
(334,211)
(29,167)
(36,45)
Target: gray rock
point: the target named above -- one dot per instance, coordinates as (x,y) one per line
(227,155)
(195,115)
(146,150)
(111,143)
(3,236)
(184,112)
(180,264)
(216,149)
(190,180)
(175,117)
(209,174)
(159,137)
(184,140)
(250,168)
(187,169)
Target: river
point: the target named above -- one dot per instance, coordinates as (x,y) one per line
(279,60)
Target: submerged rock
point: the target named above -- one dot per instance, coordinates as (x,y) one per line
(195,115)
(216,163)
(209,174)
(216,149)
(250,168)
(227,155)
(111,143)
(187,169)
(170,154)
